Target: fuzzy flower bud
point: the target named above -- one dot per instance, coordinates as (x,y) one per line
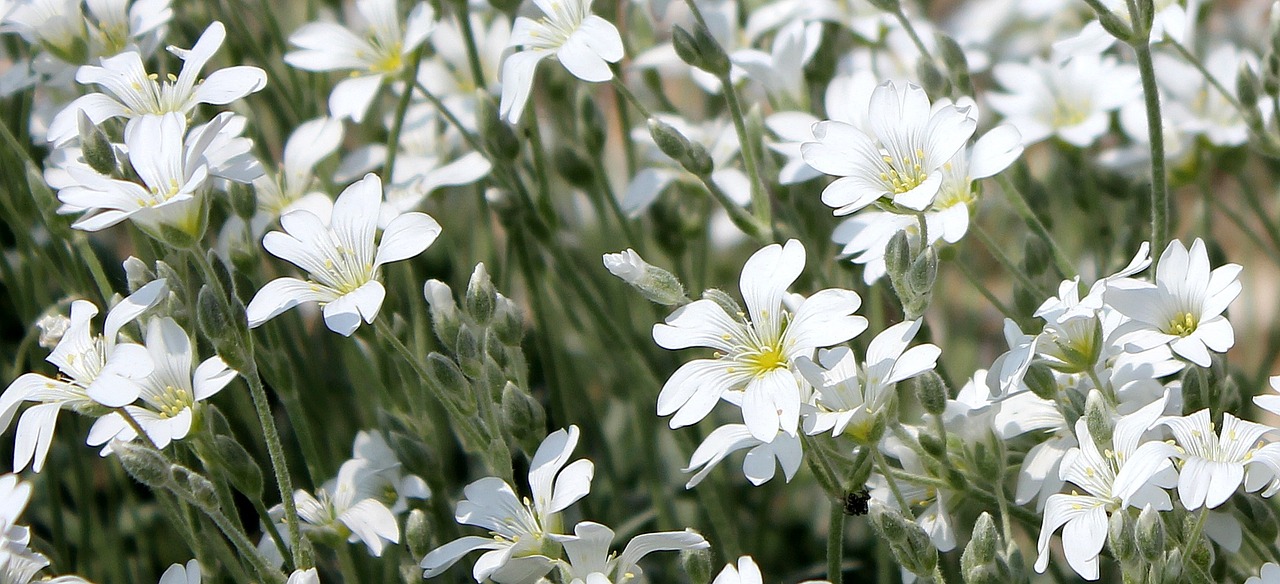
(143,463)
(697,564)
(981,550)
(95,146)
(1120,537)
(526,420)
(932,392)
(656,284)
(417,531)
(240,466)
(1150,534)
(1097,416)
(481,297)
(1040,380)
(444,312)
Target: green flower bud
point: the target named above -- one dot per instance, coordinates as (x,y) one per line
(1120,537)
(656,284)
(498,137)
(1036,256)
(573,167)
(242,470)
(243,200)
(1195,388)
(217,325)
(470,351)
(669,140)
(1097,417)
(924,272)
(686,46)
(445,320)
(697,564)
(1041,381)
(508,322)
(194,488)
(593,125)
(481,298)
(1116,26)
(889,523)
(919,556)
(726,302)
(982,547)
(417,531)
(897,256)
(697,160)
(953,57)
(144,464)
(931,391)
(885,5)
(1271,74)
(526,420)
(96,148)
(933,81)
(449,380)
(1149,535)
(936,447)
(711,55)
(1247,91)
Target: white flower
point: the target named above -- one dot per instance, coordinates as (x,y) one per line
(1213,465)
(627,265)
(900,159)
(131,92)
(591,563)
(759,466)
(1271,401)
(781,71)
(583,42)
(171,392)
(848,394)
(386,477)
(1269,573)
(174,169)
(348,505)
(519,529)
(179,574)
(747,572)
(310,142)
(756,350)
(52,327)
(341,258)
(309,576)
(1072,100)
(97,373)
(382,51)
(1183,308)
(1129,474)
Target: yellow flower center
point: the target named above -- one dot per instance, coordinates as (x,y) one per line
(766,360)
(1182,325)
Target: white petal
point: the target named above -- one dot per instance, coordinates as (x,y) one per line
(282,294)
(407,236)
(350,98)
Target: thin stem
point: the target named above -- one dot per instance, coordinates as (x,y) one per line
(835,543)
(397,123)
(911,32)
(887,471)
(760,204)
(473,54)
(1194,540)
(983,290)
(1004,260)
(1023,208)
(1155,128)
(630,97)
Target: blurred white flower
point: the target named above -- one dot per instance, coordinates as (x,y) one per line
(519,529)
(382,51)
(341,257)
(756,350)
(583,42)
(179,574)
(1071,100)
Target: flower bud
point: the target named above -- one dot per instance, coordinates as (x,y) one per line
(96,148)
(1195,385)
(508,322)
(417,532)
(526,420)
(1247,91)
(924,271)
(1041,381)
(669,140)
(1120,537)
(726,302)
(1149,534)
(1097,417)
(711,55)
(934,445)
(656,284)
(934,82)
(931,391)
(953,57)
(52,327)
(918,554)
(481,297)
(445,320)
(498,137)
(1116,26)
(470,351)
(885,5)
(686,46)
(897,255)
(143,463)
(242,470)
(573,167)
(697,564)
(194,488)
(448,378)
(982,547)
(593,125)
(889,523)
(1036,256)
(698,161)
(228,334)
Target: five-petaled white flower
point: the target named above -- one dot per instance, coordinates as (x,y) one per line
(1183,308)
(583,42)
(133,93)
(758,466)
(900,159)
(341,258)
(97,373)
(519,529)
(755,351)
(1213,464)
(589,560)
(382,51)
(170,392)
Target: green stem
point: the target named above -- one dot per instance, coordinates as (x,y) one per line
(1023,209)
(887,471)
(397,123)
(630,97)
(835,544)
(760,204)
(1155,128)
(473,54)
(998,254)
(983,290)
(911,31)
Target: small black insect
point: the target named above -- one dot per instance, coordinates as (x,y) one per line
(855,502)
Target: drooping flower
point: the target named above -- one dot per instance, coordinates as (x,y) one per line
(1183,308)
(583,42)
(382,51)
(756,350)
(171,393)
(341,258)
(132,93)
(901,157)
(97,373)
(519,529)
(761,462)
(348,505)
